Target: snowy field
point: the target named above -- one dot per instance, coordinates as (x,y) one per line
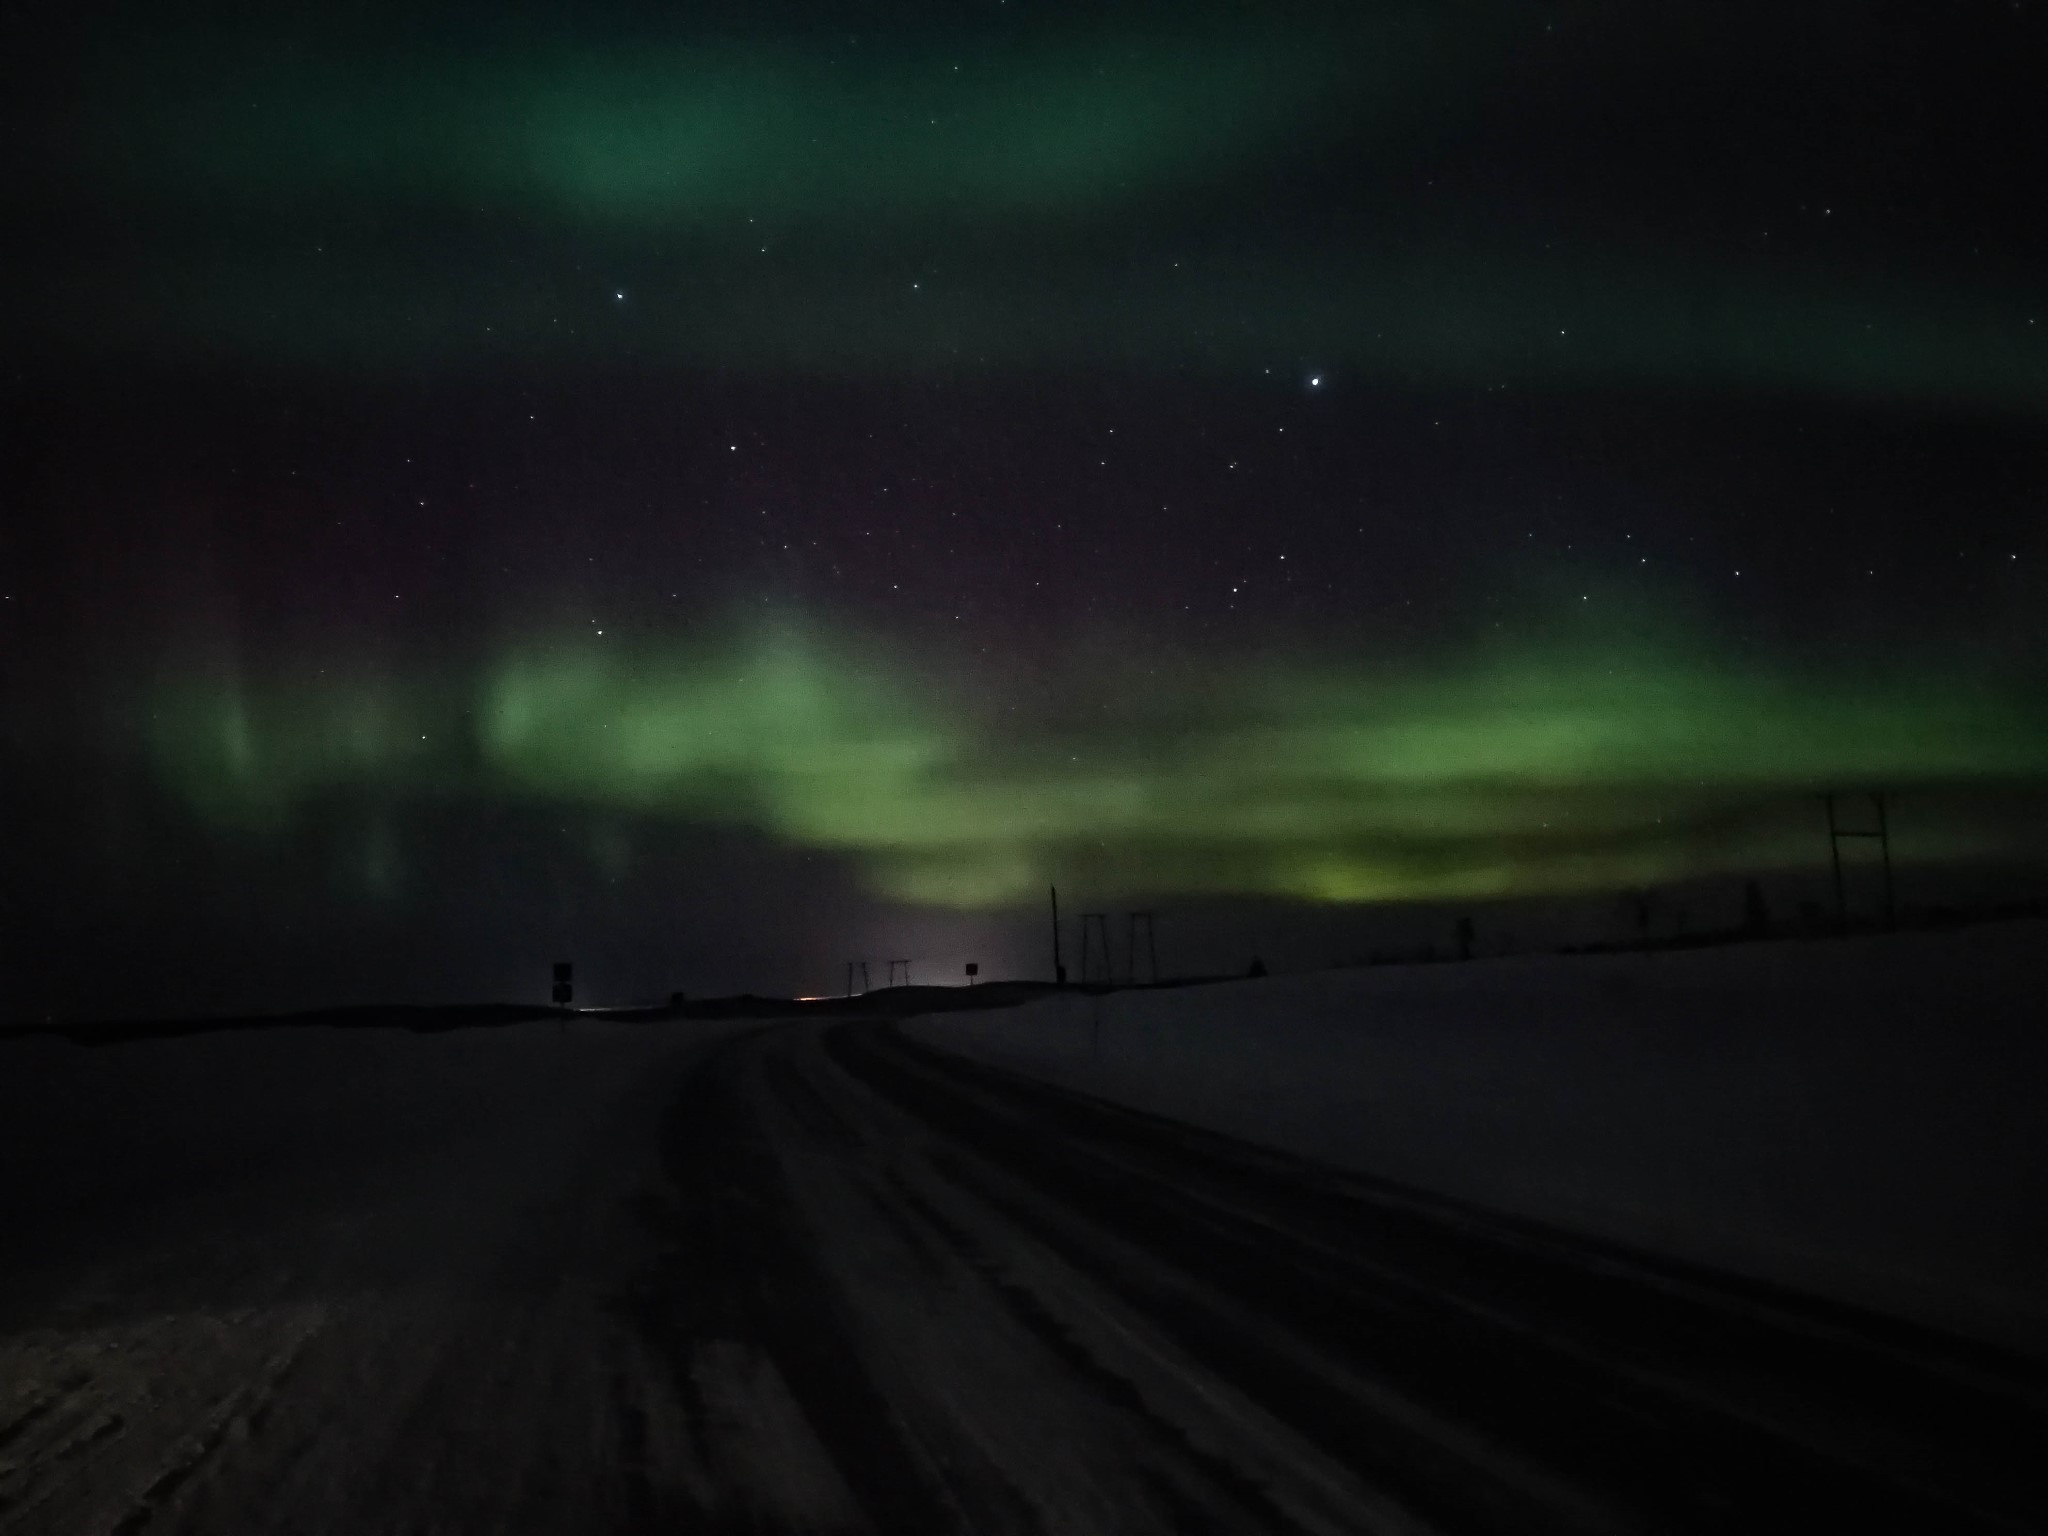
(808,1275)
(1866,1118)
(314,1279)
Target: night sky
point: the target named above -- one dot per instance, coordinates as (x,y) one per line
(710,491)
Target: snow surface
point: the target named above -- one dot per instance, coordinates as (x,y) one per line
(1864,1118)
(301,1278)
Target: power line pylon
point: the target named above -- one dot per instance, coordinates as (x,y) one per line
(1882,832)
(1059,970)
(1136,920)
(1094,940)
(892,972)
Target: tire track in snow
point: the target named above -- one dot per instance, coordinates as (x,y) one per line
(821,1279)
(1791,1407)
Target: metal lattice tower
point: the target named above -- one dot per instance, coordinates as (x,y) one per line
(1882,832)
(1094,943)
(1059,969)
(1144,920)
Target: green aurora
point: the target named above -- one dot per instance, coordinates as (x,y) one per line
(1583,768)
(695,136)
(900,208)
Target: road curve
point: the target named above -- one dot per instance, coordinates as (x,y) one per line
(819,1278)
(1001,1307)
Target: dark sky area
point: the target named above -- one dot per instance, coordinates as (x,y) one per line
(711,490)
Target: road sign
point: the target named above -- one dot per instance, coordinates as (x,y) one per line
(973,970)
(564,975)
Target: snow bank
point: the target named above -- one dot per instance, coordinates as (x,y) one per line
(1864,1118)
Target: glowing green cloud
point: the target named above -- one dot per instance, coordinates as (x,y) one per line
(709,135)
(1066,196)
(248,753)
(1571,770)
(774,735)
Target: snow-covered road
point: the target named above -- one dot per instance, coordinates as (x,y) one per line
(817,1277)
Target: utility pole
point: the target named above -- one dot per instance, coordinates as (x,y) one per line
(1135,919)
(1835,857)
(1884,848)
(1882,832)
(1094,935)
(1059,972)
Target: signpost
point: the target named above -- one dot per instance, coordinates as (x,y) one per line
(564,974)
(973,970)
